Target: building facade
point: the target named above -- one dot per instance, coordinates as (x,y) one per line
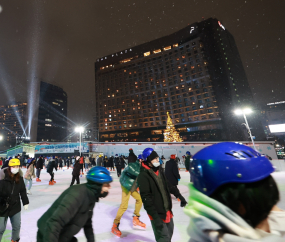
(52,113)
(194,74)
(13,122)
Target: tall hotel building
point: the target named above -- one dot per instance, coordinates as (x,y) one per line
(195,74)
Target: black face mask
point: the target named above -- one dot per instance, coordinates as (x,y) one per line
(104,194)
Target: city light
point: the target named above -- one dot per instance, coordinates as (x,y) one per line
(1,137)
(243,111)
(79,129)
(277,128)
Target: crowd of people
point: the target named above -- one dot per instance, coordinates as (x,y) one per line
(233,196)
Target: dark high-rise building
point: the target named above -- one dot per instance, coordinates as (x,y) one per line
(13,121)
(195,74)
(52,113)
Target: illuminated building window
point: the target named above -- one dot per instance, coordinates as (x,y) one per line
(176,87)
(167,48)
(48,125)
(147,53)
(157,51)
(175,45)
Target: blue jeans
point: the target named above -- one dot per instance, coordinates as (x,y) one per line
(86,166)
(30,183)
(16,226)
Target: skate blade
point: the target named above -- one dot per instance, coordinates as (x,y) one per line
(138,227)
(117,236)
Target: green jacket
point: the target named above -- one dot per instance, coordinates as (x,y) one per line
(130,174)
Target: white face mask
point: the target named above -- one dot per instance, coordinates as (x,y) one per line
(156,164)
(15,170)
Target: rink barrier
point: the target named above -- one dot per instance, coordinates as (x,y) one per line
(279,165)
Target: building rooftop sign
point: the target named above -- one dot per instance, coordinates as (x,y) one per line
(276,103)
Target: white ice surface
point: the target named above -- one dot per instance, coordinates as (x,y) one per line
(105,211)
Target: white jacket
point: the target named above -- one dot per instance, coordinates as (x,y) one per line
(211,221)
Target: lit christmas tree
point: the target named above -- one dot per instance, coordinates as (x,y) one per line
(170,133)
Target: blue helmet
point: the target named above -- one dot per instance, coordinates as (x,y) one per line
(188,153)
(99,174)
(227,162)
(140,157)
(146,153)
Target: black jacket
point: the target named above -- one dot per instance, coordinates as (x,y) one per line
(60,162)
(6,186)
(171,172)
(40,163)
(76,169)
(72,211)
(123,163)
(5,164)
(117,161)
(51,165)
(151,195)
(132,158)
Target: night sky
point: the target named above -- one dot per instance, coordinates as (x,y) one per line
(59,41)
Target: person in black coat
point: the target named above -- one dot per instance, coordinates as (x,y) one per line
(123,163)
(12,187)
(155,193)
(73,210)
(60,163)
(5,163)
(172,173)
(132,157)
(67,162)
(76,172)
(39,167)
(51,165)
(117,162)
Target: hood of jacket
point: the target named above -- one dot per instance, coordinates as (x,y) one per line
(3,174)
(211,221)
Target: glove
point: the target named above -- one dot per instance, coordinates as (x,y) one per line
(178,179)
(183,201)
(26,206)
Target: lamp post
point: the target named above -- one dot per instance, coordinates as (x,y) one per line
(79,129)
(244,112)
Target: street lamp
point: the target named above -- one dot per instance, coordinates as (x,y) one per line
(1,137)
(79,130)
(244,112)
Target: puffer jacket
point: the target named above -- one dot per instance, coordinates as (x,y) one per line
(6,186)
(211,221)
(69,214)
(30,173)
(51,165)
(129,175)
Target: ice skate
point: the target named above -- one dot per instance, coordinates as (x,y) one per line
(115,230)
(29,192)
(51,183)
(137,224)
(38,180)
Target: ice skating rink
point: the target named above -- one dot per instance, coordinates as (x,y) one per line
(105,211)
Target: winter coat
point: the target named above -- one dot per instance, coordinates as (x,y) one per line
(187,162)
(87,161)
(123,163)
(6,186)
(76,169)
(117,161)
(60,162)
(81,160)
(100,161)
(111,162)
(171,172)
(212,221)
(30,172)
(5,164)
(69,213)
(132,158)
(93,162)
(40,163)
(129,175)
(151,194)
(51,165)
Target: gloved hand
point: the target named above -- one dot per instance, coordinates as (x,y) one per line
(26,206)
(183,201)
(179,179)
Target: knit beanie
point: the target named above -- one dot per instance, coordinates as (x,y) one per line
(152,156)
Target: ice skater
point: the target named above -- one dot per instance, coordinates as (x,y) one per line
(39,167)
(29,175)
(70,212)
(118,165)
(76,172)
(155,192)
(233,196)
(187,160)
(51,165)
(12,187)
(128,182)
